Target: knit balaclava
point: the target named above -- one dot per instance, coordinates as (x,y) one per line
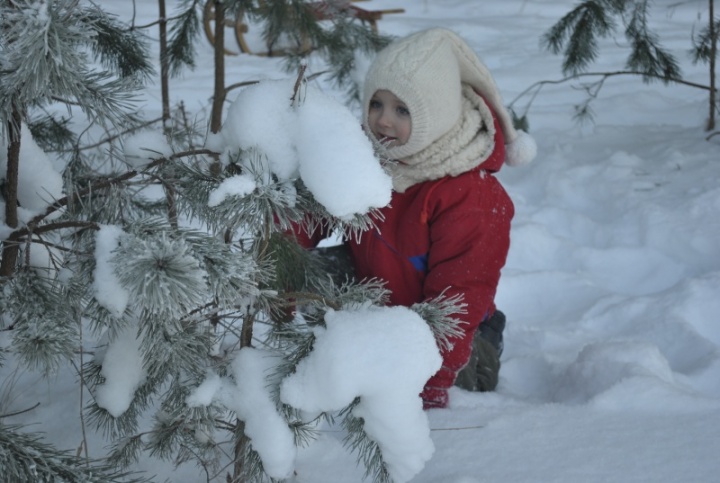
(426,70)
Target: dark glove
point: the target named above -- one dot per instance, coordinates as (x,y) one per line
(338,262)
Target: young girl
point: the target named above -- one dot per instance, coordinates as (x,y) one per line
(436,109)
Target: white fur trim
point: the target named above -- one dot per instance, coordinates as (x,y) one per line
(521,151)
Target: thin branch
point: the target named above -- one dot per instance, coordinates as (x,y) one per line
(16,237)
(237,85)
(246,331)
(64,201)
(457,429)
(605,75)
(199,460)
(152,24)
(32,226)
(55,246)
(461,428)
(306,296)
(19,412)
(298,82)
(78,370)
(112,138)
(253,82)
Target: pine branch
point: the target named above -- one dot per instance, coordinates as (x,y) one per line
(44,325)
(703,42)
(23,457)
(577,33)
(183,32)
(45,59)
(439,314)
(116,47)
(106,183)
(51,134)
(646,55)
(368,451)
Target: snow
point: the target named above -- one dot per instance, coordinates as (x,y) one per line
(316,138)
(384,356)
(108,291)
(122,368)
(39,184)
(611,369)
(35,195)
(262,117)
(239,185)
(142,147)
(264,425)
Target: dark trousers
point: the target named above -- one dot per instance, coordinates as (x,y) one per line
(482,370)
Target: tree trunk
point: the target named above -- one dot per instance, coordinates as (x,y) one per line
(241,442)
(164,70)
(219,92)
(10,249)
(713,55)
(165,94)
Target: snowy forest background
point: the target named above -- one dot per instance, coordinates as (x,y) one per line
(163,257)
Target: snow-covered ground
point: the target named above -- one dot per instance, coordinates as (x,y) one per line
(611,370)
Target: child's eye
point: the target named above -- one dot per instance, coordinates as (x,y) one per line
(375,104)
(403,111)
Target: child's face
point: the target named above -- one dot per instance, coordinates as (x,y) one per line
(389,119)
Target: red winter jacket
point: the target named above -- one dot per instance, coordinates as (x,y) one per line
(451,235)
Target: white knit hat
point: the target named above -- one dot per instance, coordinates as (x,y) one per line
(425,70)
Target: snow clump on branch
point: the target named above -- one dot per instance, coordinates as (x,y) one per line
(318,140)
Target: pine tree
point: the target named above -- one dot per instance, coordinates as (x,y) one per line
(191,284)
(576,36)
(44,63)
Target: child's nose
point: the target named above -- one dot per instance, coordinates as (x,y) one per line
(385,118)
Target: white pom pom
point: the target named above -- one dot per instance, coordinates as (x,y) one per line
(521,151)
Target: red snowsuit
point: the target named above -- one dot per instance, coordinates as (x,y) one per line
(451,234)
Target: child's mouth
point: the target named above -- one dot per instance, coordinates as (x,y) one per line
(385,140)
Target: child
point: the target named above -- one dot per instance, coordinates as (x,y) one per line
(435,107)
